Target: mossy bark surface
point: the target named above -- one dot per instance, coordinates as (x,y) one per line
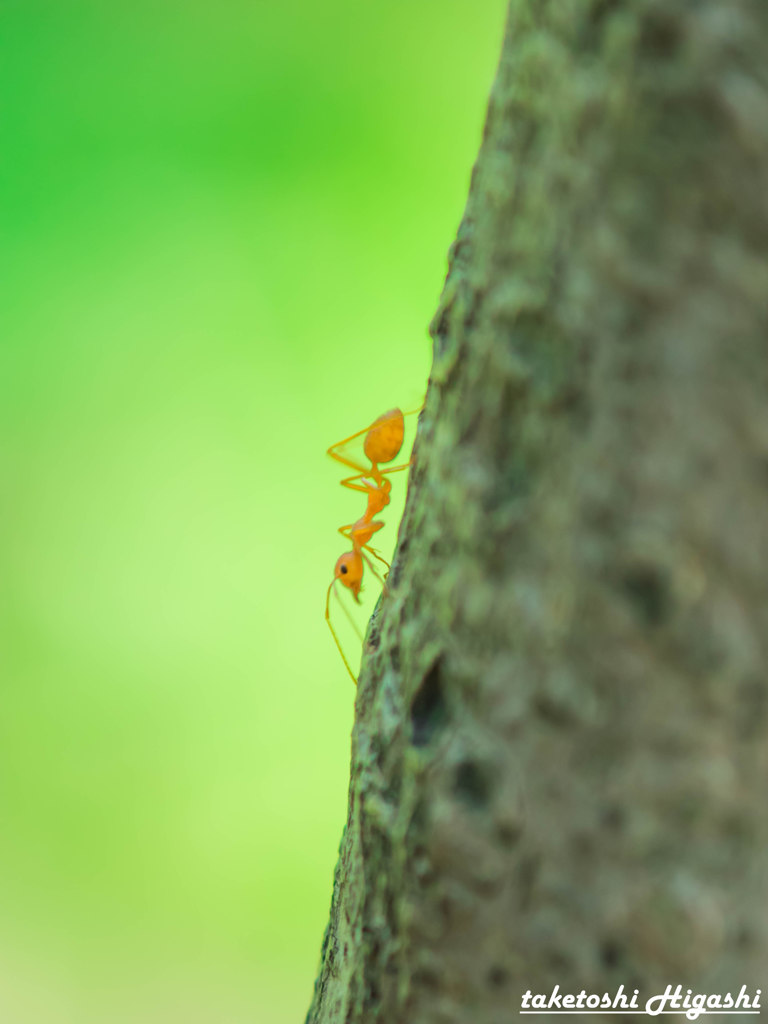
(560,756)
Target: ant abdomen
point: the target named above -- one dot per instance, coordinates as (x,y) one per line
(385,437)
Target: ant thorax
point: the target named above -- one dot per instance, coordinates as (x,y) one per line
(378,497)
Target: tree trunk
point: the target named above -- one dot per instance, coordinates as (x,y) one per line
(559,765)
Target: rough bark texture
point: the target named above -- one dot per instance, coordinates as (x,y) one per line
(560,757)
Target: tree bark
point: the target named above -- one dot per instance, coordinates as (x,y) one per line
(560,758)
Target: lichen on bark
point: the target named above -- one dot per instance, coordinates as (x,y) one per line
(559,759)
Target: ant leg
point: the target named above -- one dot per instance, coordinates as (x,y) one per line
(365,488)
(333,632)
(377,555)
(350,620)
(342,458)
(372,567)
(349,530)
(351,437)
(389,567)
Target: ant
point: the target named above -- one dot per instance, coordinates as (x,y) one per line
(383,441)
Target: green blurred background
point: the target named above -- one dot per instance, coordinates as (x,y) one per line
(224,229)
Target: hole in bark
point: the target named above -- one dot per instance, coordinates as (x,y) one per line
(374,638)
(559,961)
(429,711)
(551,710)
(372,993)
(509,834)
(594,25)
(472,784)
(394,657)
(610,953)
(440,327)
(497,976)
(602,8)
(660,34)
(427,977)
(613,817)
(647,591)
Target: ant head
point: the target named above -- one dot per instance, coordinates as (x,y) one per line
(349,570)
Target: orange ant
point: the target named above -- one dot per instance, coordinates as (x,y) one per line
(383,441)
